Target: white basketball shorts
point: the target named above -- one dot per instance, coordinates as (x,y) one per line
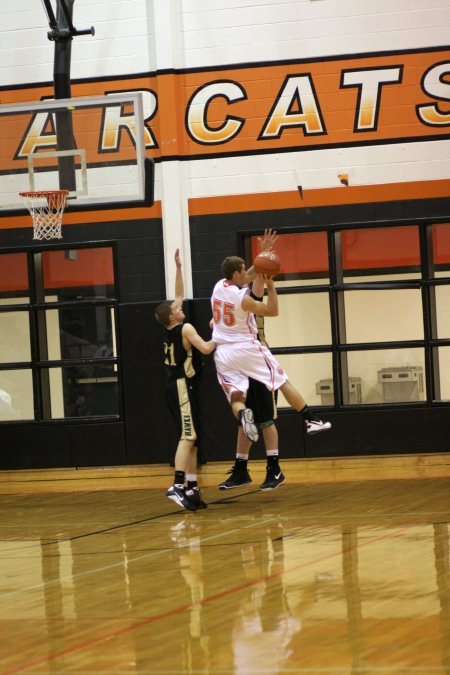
(237,361)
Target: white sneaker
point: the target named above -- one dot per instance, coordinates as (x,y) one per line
(248,425)
(314,426)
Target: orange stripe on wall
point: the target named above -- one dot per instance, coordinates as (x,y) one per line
(97,216)
(320,197)
(260,202)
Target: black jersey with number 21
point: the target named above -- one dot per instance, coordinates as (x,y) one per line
(178,361)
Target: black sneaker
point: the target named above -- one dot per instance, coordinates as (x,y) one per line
(237,478)
(248,425)
(195,498)
(178,495)
(274,478)
(314,426)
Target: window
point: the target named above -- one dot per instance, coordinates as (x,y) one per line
(364,312)
(304,302)
(16,382)
(58,349)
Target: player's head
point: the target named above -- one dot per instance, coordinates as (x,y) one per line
(168,313)
(232,264)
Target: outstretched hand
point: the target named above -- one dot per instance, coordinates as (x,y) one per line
(266,243)
(177,258)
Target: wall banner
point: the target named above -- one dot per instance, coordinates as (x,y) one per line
(283,107)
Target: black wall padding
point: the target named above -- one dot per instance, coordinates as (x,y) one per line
(147,433)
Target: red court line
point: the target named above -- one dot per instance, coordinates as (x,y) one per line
(183,608)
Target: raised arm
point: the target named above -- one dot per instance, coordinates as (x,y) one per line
(266,242)
(179,282)
(191,336)
(269,308)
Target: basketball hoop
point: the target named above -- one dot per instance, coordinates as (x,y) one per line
(46,208)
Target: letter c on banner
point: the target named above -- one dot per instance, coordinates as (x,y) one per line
(197,125)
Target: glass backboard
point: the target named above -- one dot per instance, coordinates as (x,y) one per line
(92,146)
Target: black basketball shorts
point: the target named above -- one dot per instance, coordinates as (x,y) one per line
(262,401)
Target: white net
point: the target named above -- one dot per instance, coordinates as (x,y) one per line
(46,208)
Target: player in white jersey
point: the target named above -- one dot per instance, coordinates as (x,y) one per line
(240,355)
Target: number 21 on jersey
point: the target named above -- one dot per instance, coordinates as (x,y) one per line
(169,351)
(223,312)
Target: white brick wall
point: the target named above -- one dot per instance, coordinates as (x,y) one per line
(213,33)
(123,41)
(135,36)
(217,32)
(319,169)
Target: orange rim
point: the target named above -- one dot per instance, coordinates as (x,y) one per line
(43,193)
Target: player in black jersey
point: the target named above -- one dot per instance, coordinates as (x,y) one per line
(183,363)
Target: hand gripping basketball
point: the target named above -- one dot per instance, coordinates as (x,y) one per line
(267,263)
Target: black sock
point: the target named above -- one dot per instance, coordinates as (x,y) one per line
(179,478)
(308,415)
(272,462)
(240,464)
(191,484)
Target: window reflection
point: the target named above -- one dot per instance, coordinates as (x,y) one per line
(441,248)
(80,273)
(80,332)
(389,375)
(383,315)
(444,370)
(442,295)
(305,321)
(304,372)
(14,287)
(304,258)
(83,391)
(16,395)
(385,255)
(384,249)
(14,337)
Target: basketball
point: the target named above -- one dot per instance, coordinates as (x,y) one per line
(268,263)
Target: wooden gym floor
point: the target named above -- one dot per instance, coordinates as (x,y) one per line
(342,570)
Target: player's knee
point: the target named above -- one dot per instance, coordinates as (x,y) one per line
(265,425)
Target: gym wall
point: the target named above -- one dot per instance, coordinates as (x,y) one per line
(277,114)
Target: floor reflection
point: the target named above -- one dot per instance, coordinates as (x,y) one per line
(267,603)
(442,562)
(264,624)
(254,584)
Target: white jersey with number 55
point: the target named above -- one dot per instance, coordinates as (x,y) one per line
(231,323)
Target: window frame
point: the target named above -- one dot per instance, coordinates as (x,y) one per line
(36,309)
(339,348)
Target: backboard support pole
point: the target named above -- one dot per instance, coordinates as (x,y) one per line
(62,32)
(61,81)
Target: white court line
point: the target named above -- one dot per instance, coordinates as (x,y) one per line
(145,556)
